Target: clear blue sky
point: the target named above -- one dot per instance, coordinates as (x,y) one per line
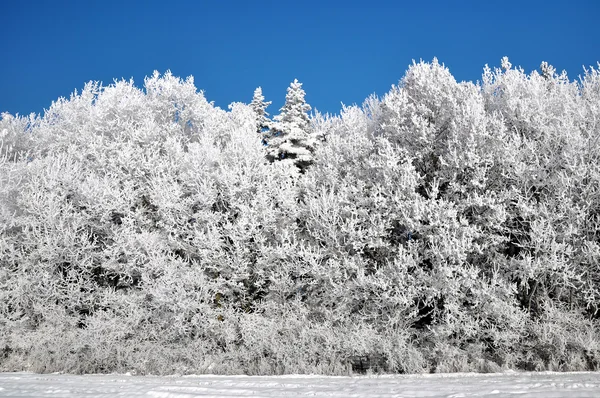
(341,50)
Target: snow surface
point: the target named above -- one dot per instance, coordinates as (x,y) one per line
(546,384)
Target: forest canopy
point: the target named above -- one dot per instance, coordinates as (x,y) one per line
(446,226)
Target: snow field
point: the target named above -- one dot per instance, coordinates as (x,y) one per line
(546,385)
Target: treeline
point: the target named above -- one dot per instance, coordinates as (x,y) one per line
(444,227)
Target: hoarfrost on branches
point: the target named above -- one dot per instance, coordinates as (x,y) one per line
(447,226)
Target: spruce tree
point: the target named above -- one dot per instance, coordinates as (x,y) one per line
(290,136)
(259,106)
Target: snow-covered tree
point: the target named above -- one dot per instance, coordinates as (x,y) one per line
(290,137)
(259,106)
(444,227)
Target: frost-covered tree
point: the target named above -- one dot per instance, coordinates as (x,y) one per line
(447,226)
(259,106)
(290,137)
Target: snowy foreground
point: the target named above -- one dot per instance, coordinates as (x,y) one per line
(547,385)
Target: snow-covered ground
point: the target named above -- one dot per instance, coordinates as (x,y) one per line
(542,385)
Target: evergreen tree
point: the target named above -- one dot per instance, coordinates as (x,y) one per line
(259,106)
(290,137)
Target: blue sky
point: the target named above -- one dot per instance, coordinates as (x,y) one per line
(342,51)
